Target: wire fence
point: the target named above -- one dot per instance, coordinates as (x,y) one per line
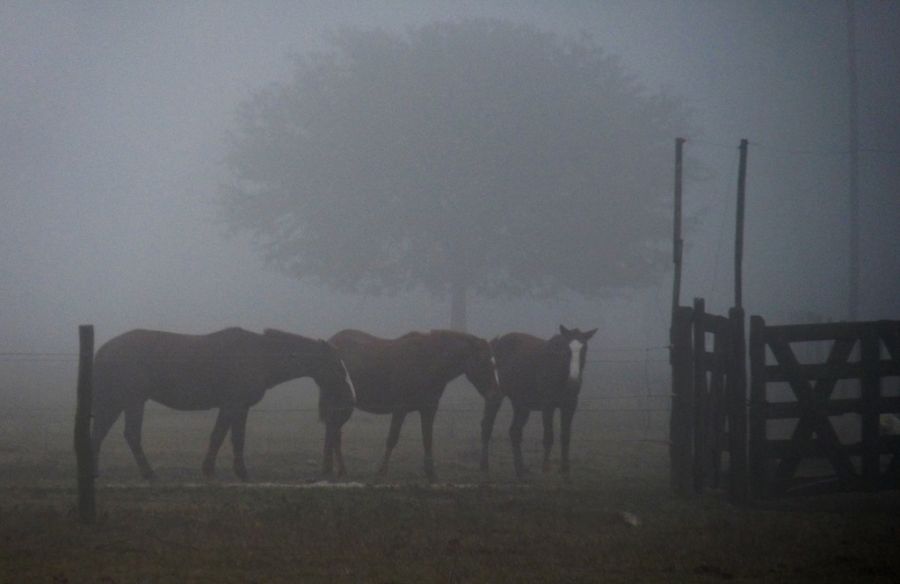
(625,400)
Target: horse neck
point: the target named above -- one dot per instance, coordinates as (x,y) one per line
(291,359)
(555,348)
(454,365)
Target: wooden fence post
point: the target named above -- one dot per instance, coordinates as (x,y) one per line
(681,416)
(701,399)
(83,453)
(737,409)
(870,381)
(717,404)
(757,426)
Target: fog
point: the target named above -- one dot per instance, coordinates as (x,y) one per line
(113,120)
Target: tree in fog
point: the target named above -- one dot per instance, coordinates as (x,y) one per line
(477,156)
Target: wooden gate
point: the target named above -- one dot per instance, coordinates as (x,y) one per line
(815,456)
(709,406)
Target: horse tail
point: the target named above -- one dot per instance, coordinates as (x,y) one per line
(323,407)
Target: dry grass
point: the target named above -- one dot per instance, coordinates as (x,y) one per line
(181,530)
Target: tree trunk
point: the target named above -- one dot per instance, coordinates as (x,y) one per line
(458,305)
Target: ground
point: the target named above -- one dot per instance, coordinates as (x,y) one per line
(615,521)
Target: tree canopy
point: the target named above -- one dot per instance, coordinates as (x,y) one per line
(474,155)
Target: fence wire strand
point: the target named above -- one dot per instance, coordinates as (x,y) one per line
(646,405)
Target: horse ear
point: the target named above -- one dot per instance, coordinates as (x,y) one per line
(589,334)
(563,331)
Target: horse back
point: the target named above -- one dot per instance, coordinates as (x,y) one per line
(385,372)
(178,370)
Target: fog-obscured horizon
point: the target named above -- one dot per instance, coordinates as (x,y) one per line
(114,121)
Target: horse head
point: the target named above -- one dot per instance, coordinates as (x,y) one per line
(575,350)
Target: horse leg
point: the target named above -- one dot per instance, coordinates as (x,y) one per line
(520,417)
(134,422)
(328,455)
(215,442)
(104,418)
(491,407)
(393,436)
(427,418)
(566,414)
(548,436)
(339,454)
(238,433)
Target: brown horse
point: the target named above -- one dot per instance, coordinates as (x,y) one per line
(409,374)
(537,374)
(230,369)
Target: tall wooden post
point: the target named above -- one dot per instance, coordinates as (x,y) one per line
(83,452)
(677,243)
(739,229)
(853,195)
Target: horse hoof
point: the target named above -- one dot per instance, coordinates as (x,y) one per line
(149,476)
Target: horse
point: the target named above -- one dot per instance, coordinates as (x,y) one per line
(537,375)
(409,374)
(230,370)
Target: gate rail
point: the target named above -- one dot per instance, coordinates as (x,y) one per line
(864,351)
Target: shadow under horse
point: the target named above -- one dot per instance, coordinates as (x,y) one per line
(409,374)
(537,375)
(230,370)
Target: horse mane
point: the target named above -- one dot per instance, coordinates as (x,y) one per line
(270,332)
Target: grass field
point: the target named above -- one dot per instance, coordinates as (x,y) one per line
(282,527)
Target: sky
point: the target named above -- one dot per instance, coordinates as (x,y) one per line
(113,119)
